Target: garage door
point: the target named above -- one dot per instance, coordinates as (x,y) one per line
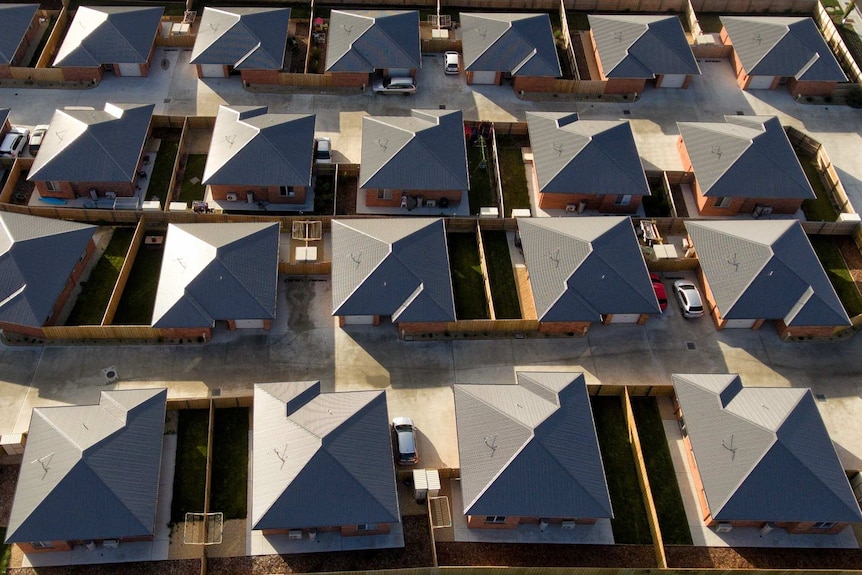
(249,323)
(673,80)
(484,77)
(212,70)
(740,323)
(129,69)
(359,320)
(625,318)
(761,82)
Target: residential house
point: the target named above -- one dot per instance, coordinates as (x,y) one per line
(633,49)
(5,124)
(520,46)
(754,271)
(585,164)
(529,453)
(744,165)
(323,463)
(361,43)
(258,156)
(89,153)
(41,261)
(90,474)
(761,457)
(396,268)
(217,273)
(20,28)
(773,50)
(251,41)
(118,39)
(586,270)
(414,161)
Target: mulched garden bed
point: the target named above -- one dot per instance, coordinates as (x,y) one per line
(762,558)
(545,555)
(179,567)
(8,482)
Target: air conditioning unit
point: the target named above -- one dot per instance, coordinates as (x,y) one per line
(111,375)
(294,534)
(231,197)
(567,524)
(723,528)
(571,208)
(430,203)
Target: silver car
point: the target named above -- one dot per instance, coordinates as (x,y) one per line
(450,63)
(397,85)
(690,302)
(405,441)
(36,138)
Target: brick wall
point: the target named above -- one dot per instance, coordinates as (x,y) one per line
(803,331)
(808,527)
(625,86)
(352,531)
(72,190)
(72,281)
(371,199)
(596,56)
(698,483)
(5,73)
(478,522)
(259,76)
(349,79)
(409,328)
(604,203)
(186,332)
(533,84)
(803,88)
(57,546)
(21,329)
(564,327)
(83,74)
(270,194)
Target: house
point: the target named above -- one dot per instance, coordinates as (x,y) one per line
(90,473)
(118,39)
(773,50)
(365,42)
(41,261)
(397,268)
(5,124)
(520,46)
(88,152)
(218,272)
(585,164)
(323,463)
(754,271)
(633,49)
(761,457)
(529,453)
(586,270)
(414,161)
(258,156)
(251,41)
(744,165)
(20,28)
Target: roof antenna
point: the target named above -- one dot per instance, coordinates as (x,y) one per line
(730,447)
(383,142)
(733,262)
(45,462)
(282,456)
(717,151)
(492,445)
(558,148)
(555,257)
(357,259)
(618,36)
(230,139)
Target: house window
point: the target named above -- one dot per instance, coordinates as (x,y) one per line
(623,200)
(384,194)
(286,191)
(366,527)
(723,202)
(497,519)
(41,544)
(824,525)
(52,186)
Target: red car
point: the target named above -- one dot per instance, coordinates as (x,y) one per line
(660,292)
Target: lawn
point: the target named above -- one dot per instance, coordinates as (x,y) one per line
(189,191)
(515,193)
(851,40)
(481,192)
(833,262)
(662,475)
(229,479)
(819,209)
(630,525)
(500,274)
(163,169)
(470,301)
(709,23)
(190,474)
(5,551)
(93,300)
(139,297)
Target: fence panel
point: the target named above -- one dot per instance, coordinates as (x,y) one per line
(125,271)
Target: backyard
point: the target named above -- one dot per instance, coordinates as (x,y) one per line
(93,300)
(139,297)
(163,167)
(819,209)
(467,281)
(500,275)
(481,192)
(656,205)
(324,195)
(191,464)
(192,188)
(229,479)
(835,266)
(516,195)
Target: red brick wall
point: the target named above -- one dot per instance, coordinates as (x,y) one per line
(698,484)
(478,522)
(83,74)
(349,79)
(533,84)
(603,203)
(371,199)
(259,76)
(271,194)
(596,56)
(186,332)
(803,331)
(563,327)
(803,88)
(72,190)
(71,282)
(58,546)
(5,73)
(352,531)
(808,527)
(21,329)
(625,86)
(408,328)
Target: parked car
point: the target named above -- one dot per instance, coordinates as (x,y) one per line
(660,293)
(14,142)
(397,85)
(405,441)
(323,151)
(450,63)
(690,302)
(36,138)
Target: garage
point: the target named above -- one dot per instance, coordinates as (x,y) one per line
(740,323)
(673,80)
(212,71)
(484,78)
(129,69)
(625,318)
(358,320)
(760,82)
(249,324)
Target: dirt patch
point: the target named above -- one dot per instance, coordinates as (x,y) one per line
(762,558)
(8,482)
(345,199)
(852,257)
(545,555)
(187,567)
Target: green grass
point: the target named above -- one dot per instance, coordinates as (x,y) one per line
(516,195)
(470,301)
(819,209)
(5,552)
(163,169)
(190,192)
(229,479)
(709,23)
(852,40)
(190,475)
(662,475)
(500,274)
(481,192)
(93,300)
(630,525)
(139,297)
(836,269)
(830,4)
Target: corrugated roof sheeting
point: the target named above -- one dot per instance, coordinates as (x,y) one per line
(245,38)
(369,40)
(101,35)
(520,44)
(16,20)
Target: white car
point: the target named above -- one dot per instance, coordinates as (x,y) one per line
(397,85)
(690,302)
(450,63)
(36,138)
(14,142)
(323,151)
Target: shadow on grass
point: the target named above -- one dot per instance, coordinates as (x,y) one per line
(91,303)
(192,188)
(836,269)
(139,296)
(501,276)
(191,464)
(229,480)
(467,283)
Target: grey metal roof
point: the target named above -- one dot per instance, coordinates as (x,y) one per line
(521,44)
(4,115)
(109,35)
(16,19)
(642,46)
(395,267)
(763,453)
(321,459)
(530,449)
(574,156)
(245,38)
(765,269)
(782,46)
(217,272)
(581,268)
(745,156)
(253,147)
(36,257)
(367,40)
(88,145)
(424,151)
(91,471)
